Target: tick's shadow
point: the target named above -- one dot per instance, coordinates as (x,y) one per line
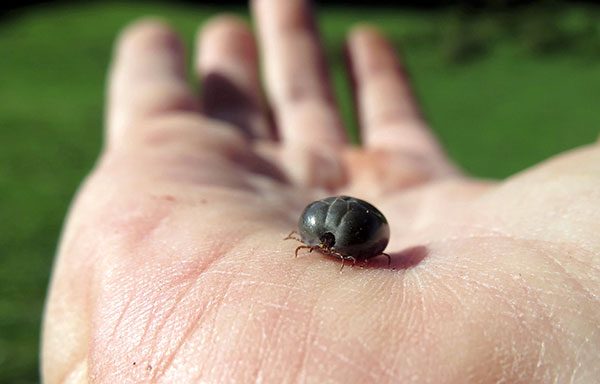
(405,259)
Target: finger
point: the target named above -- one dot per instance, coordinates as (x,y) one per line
(388,113)
(297,82)
(147,79)
(226,62)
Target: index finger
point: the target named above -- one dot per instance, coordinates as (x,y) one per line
(389,115)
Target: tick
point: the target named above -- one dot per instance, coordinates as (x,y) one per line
(345,227)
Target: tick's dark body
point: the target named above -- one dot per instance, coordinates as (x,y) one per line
(358,228)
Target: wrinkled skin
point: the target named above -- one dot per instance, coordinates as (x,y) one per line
(172,267)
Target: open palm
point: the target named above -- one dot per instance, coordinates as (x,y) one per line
(172,266)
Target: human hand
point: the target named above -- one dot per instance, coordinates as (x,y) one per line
(172,266)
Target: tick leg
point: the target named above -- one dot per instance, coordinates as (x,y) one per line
(301,247)
(346,258)
(388,257)
(334,253)
(290,237)
(309,247)
(353,260)
(343,258)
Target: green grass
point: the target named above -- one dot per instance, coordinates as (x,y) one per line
(496,111)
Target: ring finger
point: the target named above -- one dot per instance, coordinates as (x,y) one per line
(226,62)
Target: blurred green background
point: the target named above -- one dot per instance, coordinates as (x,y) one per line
(503,88)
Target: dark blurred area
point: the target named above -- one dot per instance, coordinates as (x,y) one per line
(423,4)
(538,24)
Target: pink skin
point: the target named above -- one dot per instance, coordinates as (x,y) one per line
(172,267)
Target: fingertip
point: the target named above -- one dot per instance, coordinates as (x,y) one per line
(284,15)
(227,66)
(387,107)
(147,32)
(224,23)
(360,32)
(296,74)
(369,37)
(225,35)
(370,51)
(145,23)
(147,76)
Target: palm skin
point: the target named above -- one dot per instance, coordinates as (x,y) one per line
(172,266)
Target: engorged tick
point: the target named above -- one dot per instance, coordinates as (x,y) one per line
(345,227)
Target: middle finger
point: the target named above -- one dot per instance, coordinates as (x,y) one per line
(296,75)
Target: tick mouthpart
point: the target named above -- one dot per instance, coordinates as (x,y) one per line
(327,241)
